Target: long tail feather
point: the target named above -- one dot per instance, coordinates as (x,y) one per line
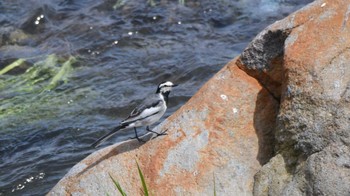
(105,137)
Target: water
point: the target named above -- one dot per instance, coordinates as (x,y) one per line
(123,51)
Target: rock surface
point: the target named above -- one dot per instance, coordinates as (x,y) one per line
(214,134)
(283,131)
(304,61)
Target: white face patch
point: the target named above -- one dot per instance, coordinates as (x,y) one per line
(166,87)
(168,83)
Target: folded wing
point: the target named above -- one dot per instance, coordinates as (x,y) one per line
(147,108)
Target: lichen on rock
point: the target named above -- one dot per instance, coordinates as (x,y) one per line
(274,121)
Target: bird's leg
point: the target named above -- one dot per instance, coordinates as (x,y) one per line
(137,137)
(158,134)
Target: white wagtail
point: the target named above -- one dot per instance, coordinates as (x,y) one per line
(147,113)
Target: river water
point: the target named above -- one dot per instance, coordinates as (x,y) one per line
(49,116)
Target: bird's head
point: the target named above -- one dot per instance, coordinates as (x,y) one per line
(165,87)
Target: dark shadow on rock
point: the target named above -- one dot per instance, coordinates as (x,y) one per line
(263,59)
(265,114)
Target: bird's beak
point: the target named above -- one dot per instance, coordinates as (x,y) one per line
(174,85)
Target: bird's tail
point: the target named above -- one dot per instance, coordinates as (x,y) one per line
(108,135)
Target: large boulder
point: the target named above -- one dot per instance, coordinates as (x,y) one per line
(279,127)
(304,61)
(223,132)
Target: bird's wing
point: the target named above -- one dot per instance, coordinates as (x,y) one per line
(148,107)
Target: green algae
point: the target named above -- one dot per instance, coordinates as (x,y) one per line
(31,95)
(43,75)
(62,74)
(11,66)
(119,4)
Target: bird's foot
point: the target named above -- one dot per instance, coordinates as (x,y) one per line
(158,134)
(163,133)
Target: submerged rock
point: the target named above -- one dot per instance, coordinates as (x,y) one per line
(283,131)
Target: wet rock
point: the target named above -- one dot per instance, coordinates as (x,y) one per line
(34,23)
(224,132)
(10,35)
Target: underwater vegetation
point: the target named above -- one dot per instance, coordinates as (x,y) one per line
(22,93)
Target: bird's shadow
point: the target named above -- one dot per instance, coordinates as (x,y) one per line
(116,149)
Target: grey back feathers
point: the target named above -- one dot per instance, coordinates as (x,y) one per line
(148,107)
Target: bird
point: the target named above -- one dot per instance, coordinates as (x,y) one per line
(147,113)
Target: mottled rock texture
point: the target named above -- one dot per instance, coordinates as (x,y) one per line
(304,61)
(274,121)
(225,131)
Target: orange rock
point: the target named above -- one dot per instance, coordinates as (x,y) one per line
(221,132)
